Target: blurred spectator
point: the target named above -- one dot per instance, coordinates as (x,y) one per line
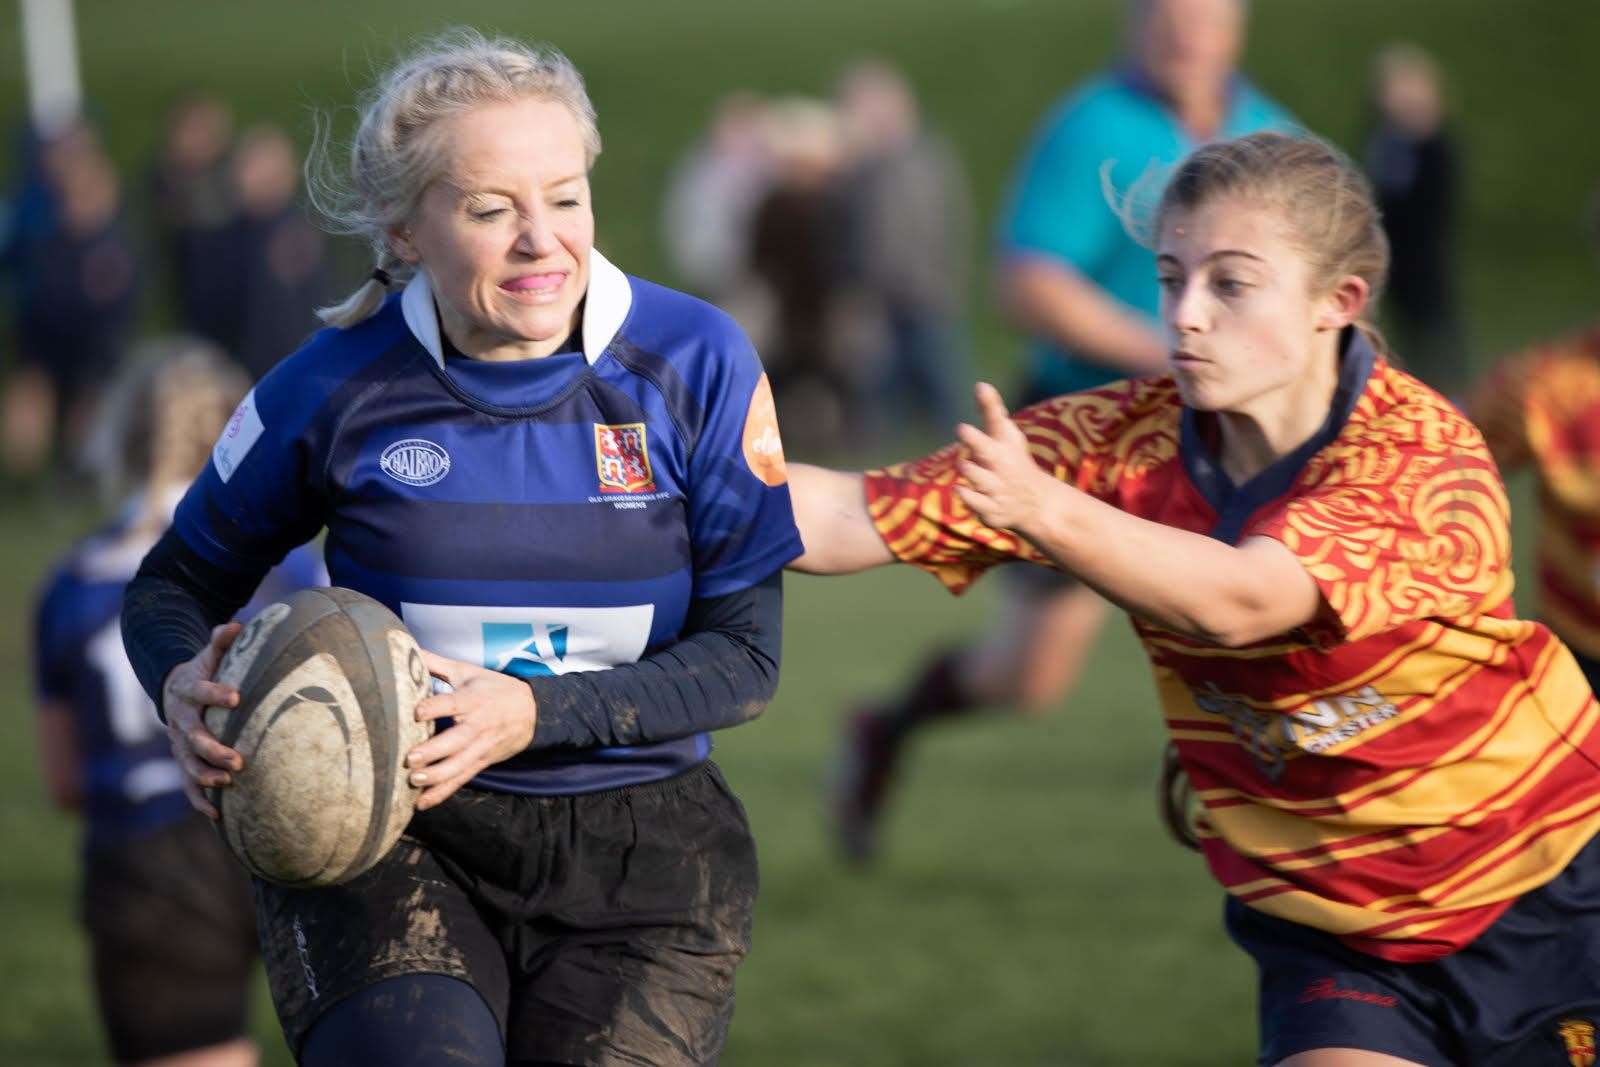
(797,252)
(1415,168)
(193,199)
(908,241)
(259,276)
(77,288)
(168,912)
(712,196)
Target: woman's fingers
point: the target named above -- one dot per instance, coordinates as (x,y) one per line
(441,706)
(221,638)
(440,745)
(209,694)
(206,747)
(197,800)
(451,670)
(198,772)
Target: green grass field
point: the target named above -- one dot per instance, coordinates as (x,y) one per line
(1029,910)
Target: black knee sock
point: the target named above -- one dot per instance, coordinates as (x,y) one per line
(414,1020)
(938,692)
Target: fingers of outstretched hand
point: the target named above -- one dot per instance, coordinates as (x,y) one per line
(979,478)
(996,418)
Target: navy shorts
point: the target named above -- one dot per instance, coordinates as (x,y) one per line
(1526,993)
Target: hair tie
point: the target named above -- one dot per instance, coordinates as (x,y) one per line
(381,276)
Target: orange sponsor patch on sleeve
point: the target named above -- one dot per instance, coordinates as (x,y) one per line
(763,447)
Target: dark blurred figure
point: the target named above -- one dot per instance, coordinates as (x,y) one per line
(797,252)
(1415,168)
(168,912)
(193,198)
(260,277)
(76,271)
(712,196)
(909,221)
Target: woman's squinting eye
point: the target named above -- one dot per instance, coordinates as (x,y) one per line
(485,214)
(1231,286)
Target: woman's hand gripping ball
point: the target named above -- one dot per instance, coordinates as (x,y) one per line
(492,715)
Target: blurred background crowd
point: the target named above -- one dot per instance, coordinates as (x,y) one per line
(839,230)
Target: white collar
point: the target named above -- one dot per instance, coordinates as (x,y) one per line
(605,307)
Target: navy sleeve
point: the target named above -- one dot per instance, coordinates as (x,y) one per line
(52,666)
(741,523)
(171,605)
(721,672)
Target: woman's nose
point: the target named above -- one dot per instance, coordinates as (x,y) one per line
(1186,309)
(535,237)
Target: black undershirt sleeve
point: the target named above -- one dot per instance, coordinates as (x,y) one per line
(721,672)
(171,605)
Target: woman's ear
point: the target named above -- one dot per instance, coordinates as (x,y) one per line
(1344,303)
(400,244)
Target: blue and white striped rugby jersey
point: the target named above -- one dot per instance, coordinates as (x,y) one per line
(536,517)
(131,784)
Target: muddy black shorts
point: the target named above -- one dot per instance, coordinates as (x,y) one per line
(172,940)
(599,928)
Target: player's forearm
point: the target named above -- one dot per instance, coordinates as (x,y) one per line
(1052,301)
(1185,582)
(722,672)
(59,759)
(830,508)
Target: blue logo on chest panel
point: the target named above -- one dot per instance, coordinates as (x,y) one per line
(524,649)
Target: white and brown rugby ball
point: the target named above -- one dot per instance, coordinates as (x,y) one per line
(328,684)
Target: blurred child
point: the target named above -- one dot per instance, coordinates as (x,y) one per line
(168,912)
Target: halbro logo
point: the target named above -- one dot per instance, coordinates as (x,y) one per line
(415,461)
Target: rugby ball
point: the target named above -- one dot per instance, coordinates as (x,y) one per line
(328,684)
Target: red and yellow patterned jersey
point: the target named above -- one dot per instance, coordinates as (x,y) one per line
(1543,408)
(1396,773)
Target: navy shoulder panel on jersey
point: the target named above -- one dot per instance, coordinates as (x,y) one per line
(262,492)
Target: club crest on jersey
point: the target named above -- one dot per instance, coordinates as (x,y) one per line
(622,457)
(1578,1037)
(415,461)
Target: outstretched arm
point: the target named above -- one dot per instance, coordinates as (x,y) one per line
(1186,582)
(830,507)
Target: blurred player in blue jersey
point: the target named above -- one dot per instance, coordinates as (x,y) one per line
(1072,278)
(569,483)
(168,912)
